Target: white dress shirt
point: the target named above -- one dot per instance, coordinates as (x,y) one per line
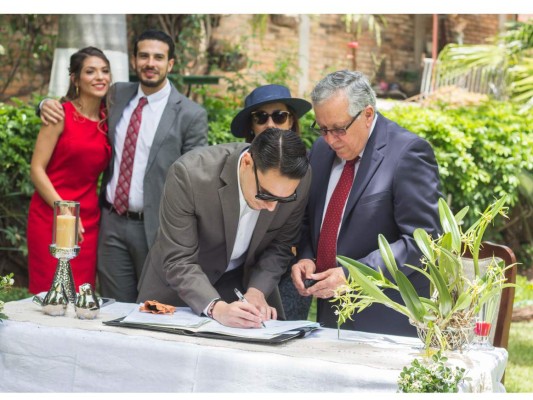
(335,175)
(247,222)
(151,115)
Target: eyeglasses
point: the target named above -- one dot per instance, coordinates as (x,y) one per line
(261,117)
(334,131)
(267,196)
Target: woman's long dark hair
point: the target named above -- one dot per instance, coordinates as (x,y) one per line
(76,64)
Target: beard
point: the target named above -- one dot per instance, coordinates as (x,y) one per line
(151,83)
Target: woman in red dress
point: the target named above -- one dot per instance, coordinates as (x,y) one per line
(68,158)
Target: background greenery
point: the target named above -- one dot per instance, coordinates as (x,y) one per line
(481,150)
(520,365)
(18,130)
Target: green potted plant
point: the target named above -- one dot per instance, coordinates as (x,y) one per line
(446,319)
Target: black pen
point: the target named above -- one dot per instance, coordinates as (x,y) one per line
(243,299)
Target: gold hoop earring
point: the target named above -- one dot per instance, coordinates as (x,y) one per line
(77,91)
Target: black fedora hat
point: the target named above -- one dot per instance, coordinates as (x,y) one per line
(264,95)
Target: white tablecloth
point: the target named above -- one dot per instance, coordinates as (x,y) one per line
(40,353)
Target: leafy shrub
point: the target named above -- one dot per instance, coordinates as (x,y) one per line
(480,150)
(523,292)
(19,127)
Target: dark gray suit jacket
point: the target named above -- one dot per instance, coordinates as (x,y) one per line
(183,126)
(395,191)
(199,220)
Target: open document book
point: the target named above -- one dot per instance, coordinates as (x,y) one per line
(185,322)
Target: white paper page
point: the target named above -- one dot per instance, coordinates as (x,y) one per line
(183,317)
(273,328)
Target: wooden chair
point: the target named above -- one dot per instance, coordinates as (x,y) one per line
(505,311)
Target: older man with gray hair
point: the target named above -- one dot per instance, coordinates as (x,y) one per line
(370,177)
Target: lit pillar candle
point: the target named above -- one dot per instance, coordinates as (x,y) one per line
(66,231)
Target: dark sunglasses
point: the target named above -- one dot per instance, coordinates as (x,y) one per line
(270,197)
(279,117)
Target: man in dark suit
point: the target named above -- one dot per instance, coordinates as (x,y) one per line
(169,125)
(392,189)
(229,217)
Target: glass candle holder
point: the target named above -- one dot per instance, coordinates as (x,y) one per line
(66,221)
(485,323)
(64,245)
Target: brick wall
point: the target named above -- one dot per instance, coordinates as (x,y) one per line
(329,51)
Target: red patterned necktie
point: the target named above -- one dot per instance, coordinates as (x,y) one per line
(122,193)
(327,242)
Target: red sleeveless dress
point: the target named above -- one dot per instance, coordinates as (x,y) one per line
(81,154)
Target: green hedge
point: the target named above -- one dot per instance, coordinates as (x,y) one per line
(18,130)
(481,150)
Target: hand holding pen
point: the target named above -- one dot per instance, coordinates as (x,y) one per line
(243,299)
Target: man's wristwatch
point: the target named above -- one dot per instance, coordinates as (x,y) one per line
(211,307)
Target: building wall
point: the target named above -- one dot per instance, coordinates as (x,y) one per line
(328,48)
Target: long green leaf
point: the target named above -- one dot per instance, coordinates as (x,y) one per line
(350,263)
(410,296)
(445,299)
(459,217)
(423,241)
(463,302)
(477,230)
(449,224)
(387,255)
(370,289)
(422,271)
(451,267)
(367,286)
(445,246)
(430,304)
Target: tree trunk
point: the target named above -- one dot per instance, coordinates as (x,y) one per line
(106,32)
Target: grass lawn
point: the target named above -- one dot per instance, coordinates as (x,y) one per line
(519,372)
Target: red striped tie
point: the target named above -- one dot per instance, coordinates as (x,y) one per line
(122,193)
(327,242)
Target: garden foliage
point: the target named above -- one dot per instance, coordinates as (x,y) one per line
(481,150)
(18,130)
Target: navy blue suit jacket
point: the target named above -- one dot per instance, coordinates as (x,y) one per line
(395,191)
